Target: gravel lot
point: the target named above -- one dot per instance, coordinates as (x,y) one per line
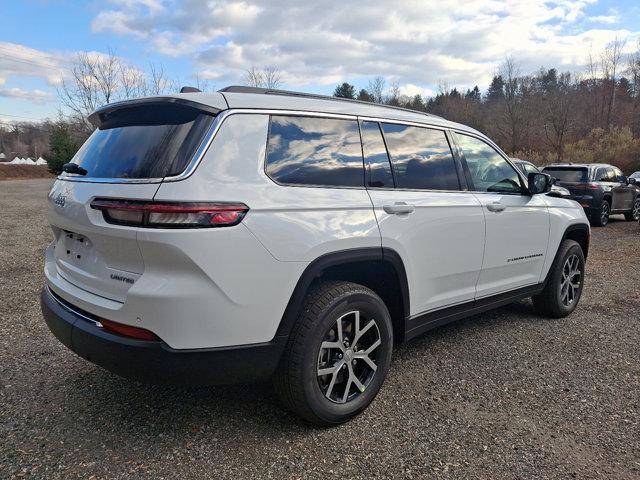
(501,395)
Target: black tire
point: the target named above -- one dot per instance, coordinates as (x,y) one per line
(551,301)
(601,218)
(298,381)
(634,214)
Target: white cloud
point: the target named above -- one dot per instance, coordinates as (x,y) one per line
(36,96)
(19,60)
(417,44)
(412,90)
(608,19)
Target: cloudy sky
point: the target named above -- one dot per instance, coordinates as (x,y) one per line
(419,44)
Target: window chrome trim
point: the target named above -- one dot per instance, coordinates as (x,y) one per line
(188,171)
(222,116)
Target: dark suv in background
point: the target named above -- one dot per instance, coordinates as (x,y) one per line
(527,167)
(601,189)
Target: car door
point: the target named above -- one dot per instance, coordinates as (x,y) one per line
(622,193)
(423,214)
(605,177)
(517,224)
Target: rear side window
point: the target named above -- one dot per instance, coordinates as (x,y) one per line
(489,170)
(314,151)
(151,141)
(421,158)
(376,160)
(570,175)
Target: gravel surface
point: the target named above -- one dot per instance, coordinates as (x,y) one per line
(501,395)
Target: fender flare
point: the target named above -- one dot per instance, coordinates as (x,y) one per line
(318,266)
(576,227)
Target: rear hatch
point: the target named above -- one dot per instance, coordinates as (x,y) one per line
(573,179)
(133,149)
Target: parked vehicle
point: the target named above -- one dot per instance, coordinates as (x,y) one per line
(601,189)
(635,175)
(247,234)
(528,167)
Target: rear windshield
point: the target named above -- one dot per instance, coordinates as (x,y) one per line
(575,175)
(150,141)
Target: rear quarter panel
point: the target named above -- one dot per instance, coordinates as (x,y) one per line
(290,225)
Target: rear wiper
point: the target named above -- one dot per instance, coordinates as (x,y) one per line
(73,168)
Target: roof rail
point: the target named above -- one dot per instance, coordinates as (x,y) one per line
(288,93)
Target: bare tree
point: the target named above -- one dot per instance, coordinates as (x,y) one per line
(132,82)
(393,97)
(513,117)
(98,79)
(633,70)
(203,84)
(158,83)
(267,77)
(610,60)
(376,89)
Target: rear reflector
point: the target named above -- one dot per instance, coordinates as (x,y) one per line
(129,331)
(170,215)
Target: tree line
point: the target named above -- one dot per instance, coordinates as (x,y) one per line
(547,116)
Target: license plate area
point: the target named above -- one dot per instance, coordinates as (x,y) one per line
(76,249)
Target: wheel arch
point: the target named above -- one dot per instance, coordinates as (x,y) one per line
(377,268)
(580,233)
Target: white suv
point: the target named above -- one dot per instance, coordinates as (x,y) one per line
(247,234)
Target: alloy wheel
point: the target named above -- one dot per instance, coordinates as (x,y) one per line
(635,213)
(604,215)
(348,356)
(571,280)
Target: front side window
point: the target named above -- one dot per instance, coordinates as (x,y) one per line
(604,174)
(421,158)
(314,151)
(619,176)
(490,172)
(529,168)
(376,159)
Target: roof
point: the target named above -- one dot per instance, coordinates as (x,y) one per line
(265,99)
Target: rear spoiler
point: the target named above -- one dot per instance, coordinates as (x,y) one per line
(98,117)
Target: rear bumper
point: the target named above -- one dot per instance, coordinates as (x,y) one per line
(156,362)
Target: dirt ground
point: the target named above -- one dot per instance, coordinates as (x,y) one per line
(502,395)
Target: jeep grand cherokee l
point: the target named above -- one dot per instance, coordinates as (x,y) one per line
(601,189)
(250,234)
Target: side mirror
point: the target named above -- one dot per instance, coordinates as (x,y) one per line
(632,181)
(539,183)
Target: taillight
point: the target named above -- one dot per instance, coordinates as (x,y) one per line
(170,214)
(592,186)
(129,331)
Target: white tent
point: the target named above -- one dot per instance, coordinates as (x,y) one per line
(41,161)
(16,161)
(2,156)
(28,161)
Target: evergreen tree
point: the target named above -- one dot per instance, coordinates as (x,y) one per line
(496,89)
(364,96)
(417,103)
(473,94)
(346,90)
(62,146)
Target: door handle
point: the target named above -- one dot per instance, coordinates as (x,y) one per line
(398,208)
(495,207)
